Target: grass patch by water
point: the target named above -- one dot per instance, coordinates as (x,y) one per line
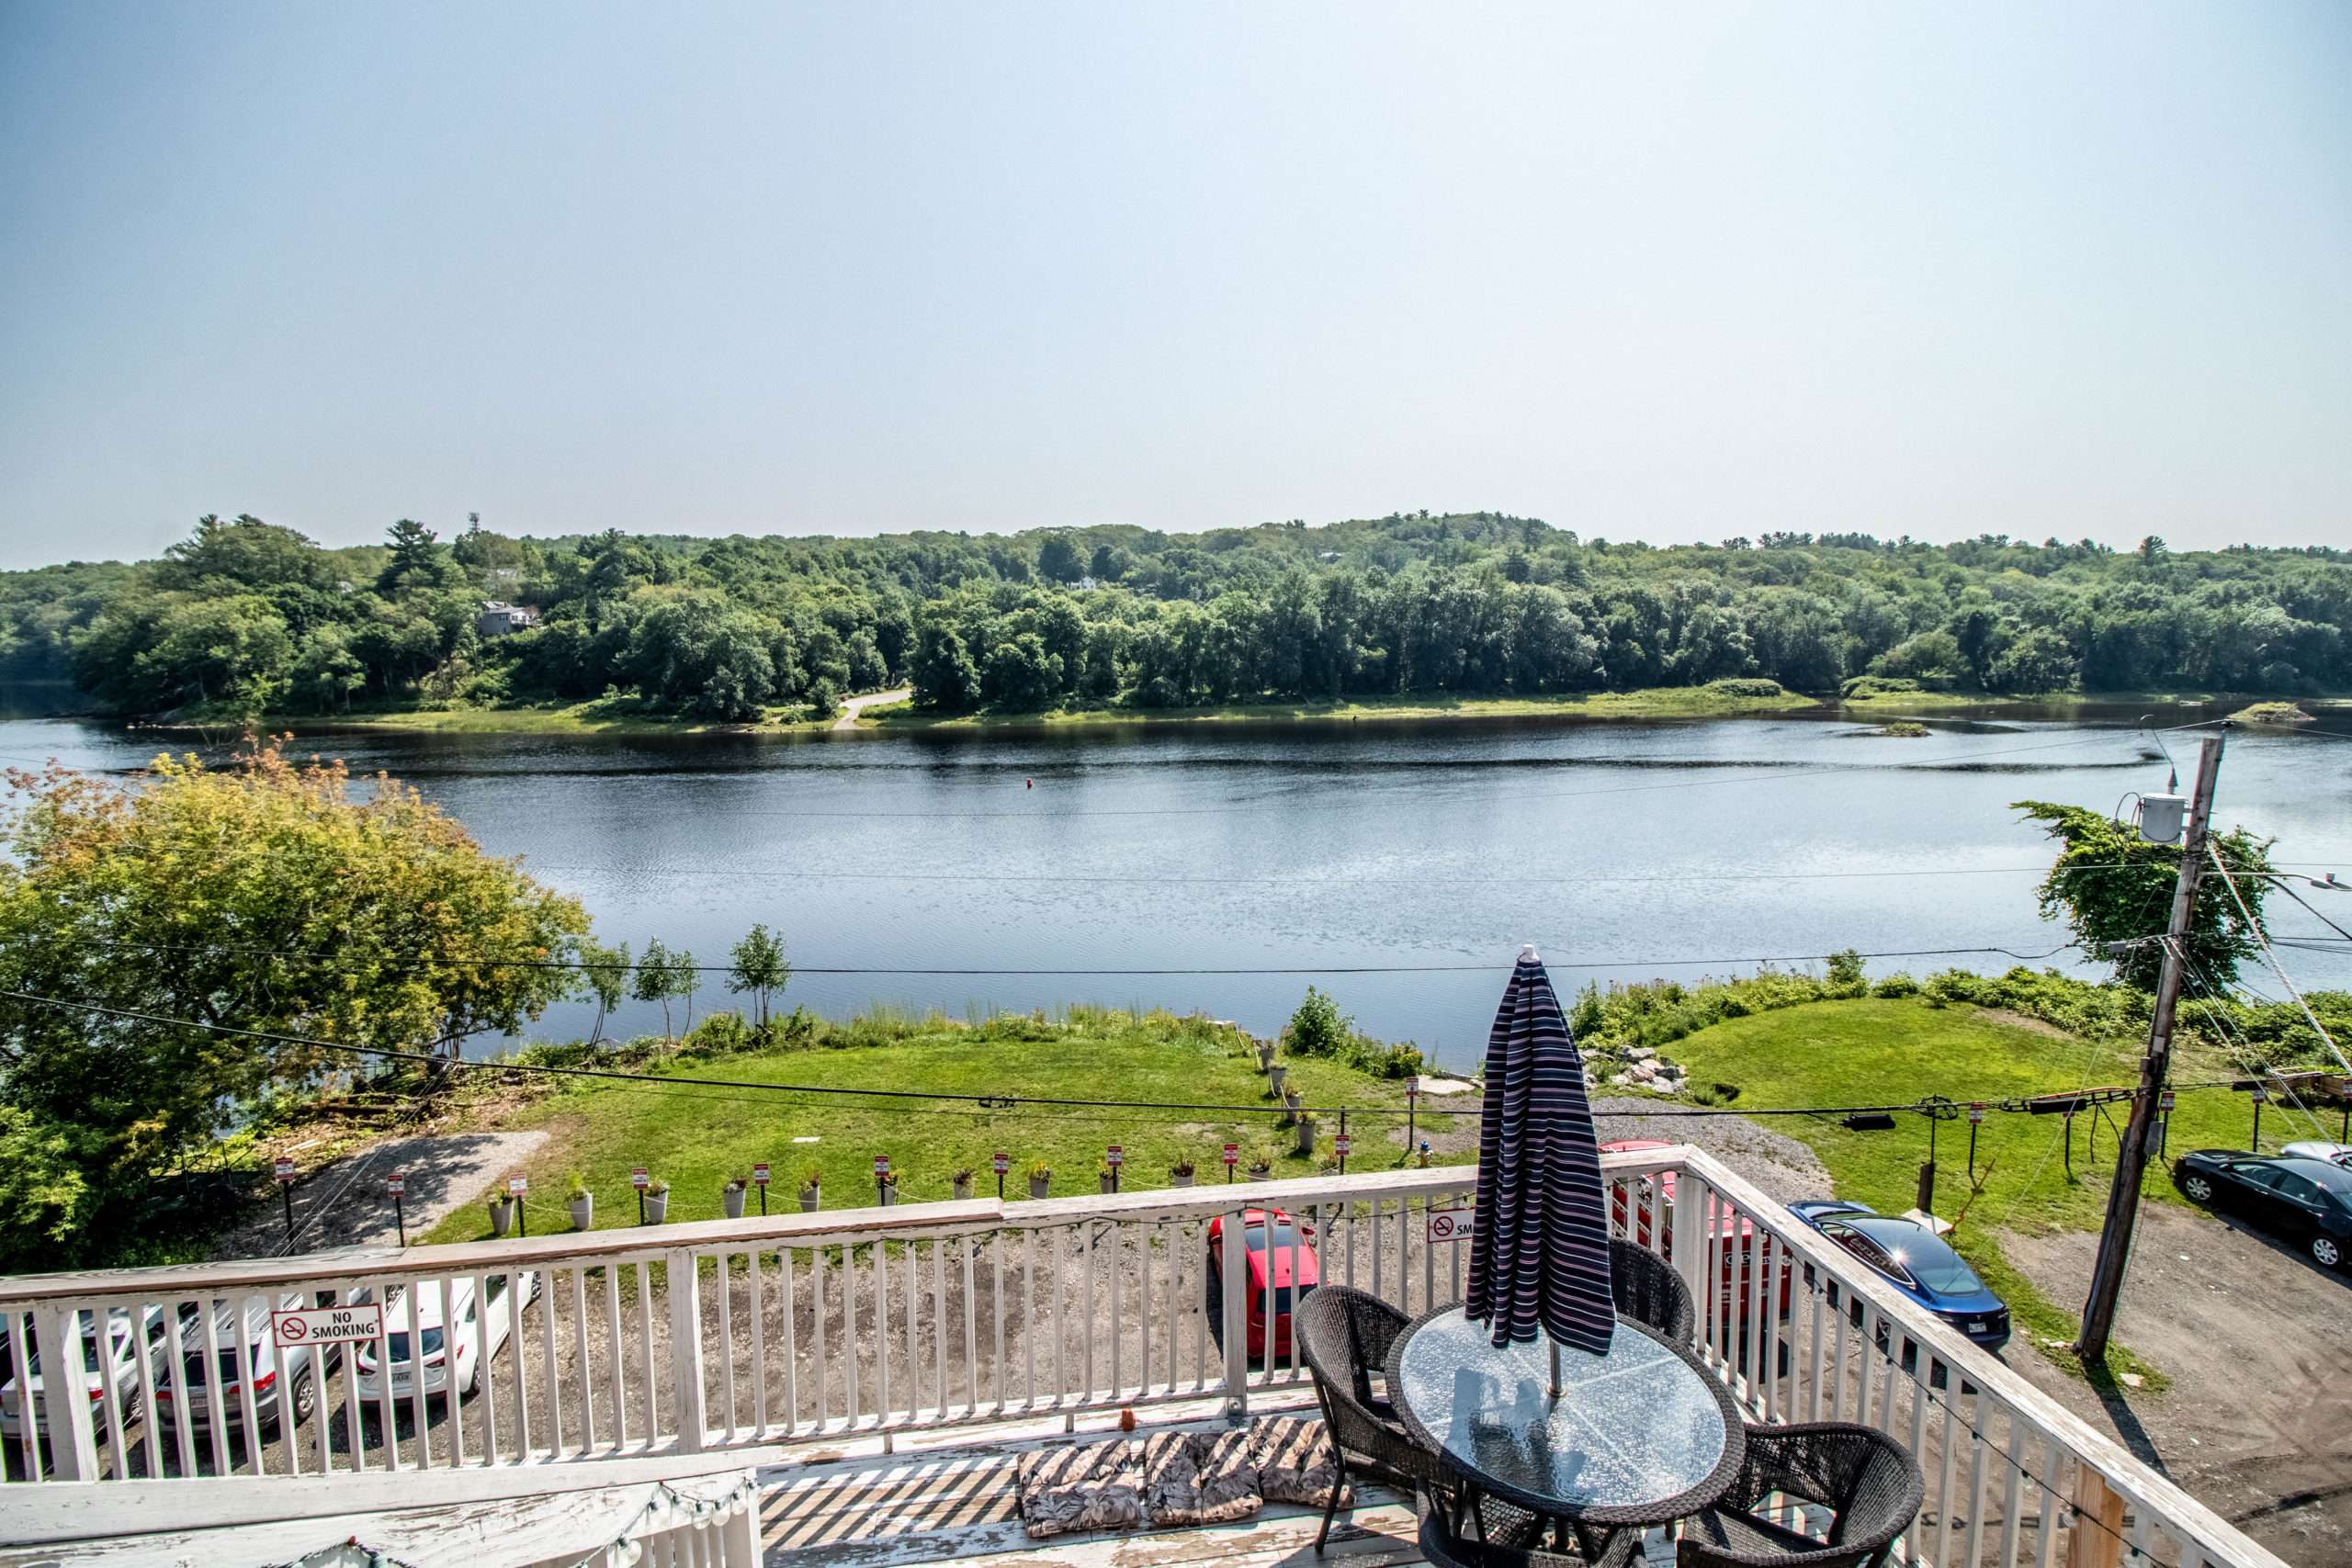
(696,1139)
(1873,1052)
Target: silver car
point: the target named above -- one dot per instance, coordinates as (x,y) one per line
(277,1374)
(109,1368)
(2314,1148)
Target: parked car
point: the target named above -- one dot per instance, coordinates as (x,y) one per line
(275,1372)
(2307,1201)
(1267,1240)
(2315,1148)
(413,1328)
(111,1369)
(1735,1233)
(1916,1261)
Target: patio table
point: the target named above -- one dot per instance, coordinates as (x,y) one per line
(1641,1435)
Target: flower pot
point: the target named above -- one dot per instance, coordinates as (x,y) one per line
(731,1198)
(1180,1179)
(963,1187)
(502,1216)
(1306,1135)
(890,1195)
(1041,1185)
(1274,1076)
(1110,1183)
(1262,1173)
(583,1211)
(1266,1055)
(809,1198)
(657,1207)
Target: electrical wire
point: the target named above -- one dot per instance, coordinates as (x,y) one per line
(331,960)
(2276,967)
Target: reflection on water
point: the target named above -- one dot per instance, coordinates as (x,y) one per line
(1618,847)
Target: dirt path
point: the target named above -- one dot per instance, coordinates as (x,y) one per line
(2258,1422)
(344,1205)
(853,706)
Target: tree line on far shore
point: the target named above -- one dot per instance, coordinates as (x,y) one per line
(245,617)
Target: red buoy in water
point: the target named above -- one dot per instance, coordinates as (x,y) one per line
(1028,783)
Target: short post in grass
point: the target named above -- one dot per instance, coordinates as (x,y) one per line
(1976,1120)
(1412,1110)
(2258,1094)
(881,1179)
(396,1185)
(1232,1158)
(760,1180)
(2164,1128)
(1339,1143)
(283,1169)
(1114,1156)
(516,1186)
(640,1180)
(999,1162)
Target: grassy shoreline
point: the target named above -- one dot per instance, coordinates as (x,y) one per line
(627,715)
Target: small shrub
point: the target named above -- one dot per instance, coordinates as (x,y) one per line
(1896,987)
(1877,686)
(1748,686)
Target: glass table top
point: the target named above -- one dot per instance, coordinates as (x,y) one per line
(1635,1427)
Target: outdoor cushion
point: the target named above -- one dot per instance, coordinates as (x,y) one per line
(1199,1478)
(1296,1463)
(1079,1486)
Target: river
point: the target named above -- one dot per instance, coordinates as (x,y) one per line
(1624,850)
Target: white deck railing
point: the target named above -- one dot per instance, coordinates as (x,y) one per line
(678,1340)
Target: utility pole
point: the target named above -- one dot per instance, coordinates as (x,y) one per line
(2123,1198)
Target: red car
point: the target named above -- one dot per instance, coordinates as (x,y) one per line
(1638,1226)
(1280,1245)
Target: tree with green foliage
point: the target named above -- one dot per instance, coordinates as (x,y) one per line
(661,976)
(604,978)
(2113,886)
(1318,1028)
(760,968)
(189,902)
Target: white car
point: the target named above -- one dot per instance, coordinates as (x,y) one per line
(273,1370)
(450,1360)
(2313,1148)
(112,1369)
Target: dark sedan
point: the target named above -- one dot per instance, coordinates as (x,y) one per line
(2307,1201)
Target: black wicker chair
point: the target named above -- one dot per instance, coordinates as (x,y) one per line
(1647,1290)
(1868,1480)
(1446,1550)
(1345,1335)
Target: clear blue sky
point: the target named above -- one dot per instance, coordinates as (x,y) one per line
(1929,269)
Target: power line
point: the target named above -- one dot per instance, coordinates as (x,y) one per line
(2276,967)
(332,961)
(787,873)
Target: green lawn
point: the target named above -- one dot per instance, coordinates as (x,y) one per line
(696,1138)
(1886,1052)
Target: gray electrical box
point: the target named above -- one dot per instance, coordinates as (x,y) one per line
(2160,817)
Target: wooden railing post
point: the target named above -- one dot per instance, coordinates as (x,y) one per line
(72,1437)
(1690,1246)
(2096,1537)
(685,1347)
(1234,1267)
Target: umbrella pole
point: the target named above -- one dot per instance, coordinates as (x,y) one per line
(1556,1365)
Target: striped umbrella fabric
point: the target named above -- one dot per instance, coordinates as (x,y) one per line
(1539,1256)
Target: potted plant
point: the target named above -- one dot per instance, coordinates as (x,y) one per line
(1262,1163)
(656,1200)
(583,1204)
(962,1181)
(1108,1176)
(810,1194)
(1041,1178)
(502,1214)
(887,1182)
(1306,1133)
(731,1197)
(1180,1174)
(1266,1055)
(1274,1076)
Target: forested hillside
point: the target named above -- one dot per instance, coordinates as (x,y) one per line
(248,617)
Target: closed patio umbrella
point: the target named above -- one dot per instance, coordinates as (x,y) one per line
(1539,1256)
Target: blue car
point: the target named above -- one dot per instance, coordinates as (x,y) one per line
(1916,1261)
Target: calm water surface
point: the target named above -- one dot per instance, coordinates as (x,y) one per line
(1625,851)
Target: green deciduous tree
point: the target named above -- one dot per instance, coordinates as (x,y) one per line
(604,978)
(760,968)
(262,897)
(2112,885)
